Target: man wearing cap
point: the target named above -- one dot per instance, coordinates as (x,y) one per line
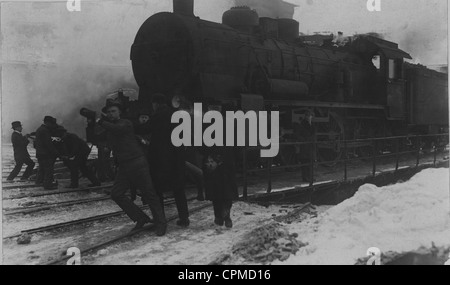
(21,155)
(132,170)
(142,130)
(46,153)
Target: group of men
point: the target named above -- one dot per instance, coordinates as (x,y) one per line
(51,141)
(149,166)
(147,161)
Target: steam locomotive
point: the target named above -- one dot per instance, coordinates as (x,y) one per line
(358,88)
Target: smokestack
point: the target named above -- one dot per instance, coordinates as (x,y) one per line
(183,7)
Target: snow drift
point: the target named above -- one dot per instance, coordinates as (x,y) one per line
(400,217)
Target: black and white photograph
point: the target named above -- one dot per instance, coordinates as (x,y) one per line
(224,132)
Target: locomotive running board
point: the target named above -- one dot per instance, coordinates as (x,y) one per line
(324,104)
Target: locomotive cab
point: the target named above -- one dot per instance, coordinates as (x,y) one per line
(387,59)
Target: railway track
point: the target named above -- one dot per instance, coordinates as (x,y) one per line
(15,186)
(122,237)
(80,221)
(43,207)
(93,219)
(38,208)
(52,192)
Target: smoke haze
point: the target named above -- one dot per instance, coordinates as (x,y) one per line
(420,27)
(54,62)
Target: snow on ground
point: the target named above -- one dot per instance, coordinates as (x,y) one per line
(400,217)
(200,244)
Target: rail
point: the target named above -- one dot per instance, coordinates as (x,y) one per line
(396,144)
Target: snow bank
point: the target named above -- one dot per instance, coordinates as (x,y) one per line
(400,217)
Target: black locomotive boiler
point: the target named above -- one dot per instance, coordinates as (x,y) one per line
(358,88)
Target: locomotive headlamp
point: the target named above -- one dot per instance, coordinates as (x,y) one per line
(176,102)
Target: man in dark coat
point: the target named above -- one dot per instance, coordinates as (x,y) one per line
(76,152)
(220,183)
(103,164)
(167,162)
(133,170)
(142,132)
(194,160)
(305,132)
(46,153)
(21,155)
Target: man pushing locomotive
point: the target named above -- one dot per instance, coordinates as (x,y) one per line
(133,169)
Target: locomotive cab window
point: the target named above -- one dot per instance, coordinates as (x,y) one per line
(376,60)
(391,69)
(395,69)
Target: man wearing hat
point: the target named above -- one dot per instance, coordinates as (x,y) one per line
(133,170)
(46,153)
(75,155)
(21,155)
(142,130)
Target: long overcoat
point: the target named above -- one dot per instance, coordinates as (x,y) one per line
(20,144)
(166,161)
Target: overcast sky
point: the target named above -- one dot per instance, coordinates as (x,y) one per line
(420,26)
(54,61)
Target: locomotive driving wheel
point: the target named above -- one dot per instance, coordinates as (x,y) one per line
(330,137)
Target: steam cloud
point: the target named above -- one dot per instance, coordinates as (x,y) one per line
(418,26)
(55,62)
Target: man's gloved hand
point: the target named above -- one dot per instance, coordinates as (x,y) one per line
(56,139)
(103,117)
(143,141)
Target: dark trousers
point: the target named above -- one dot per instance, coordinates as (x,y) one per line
(181,202)
(196,174)
(222,210)
(178,194)
(79,164)
(136,173)
(45,171)
(103,165)
(19,163)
